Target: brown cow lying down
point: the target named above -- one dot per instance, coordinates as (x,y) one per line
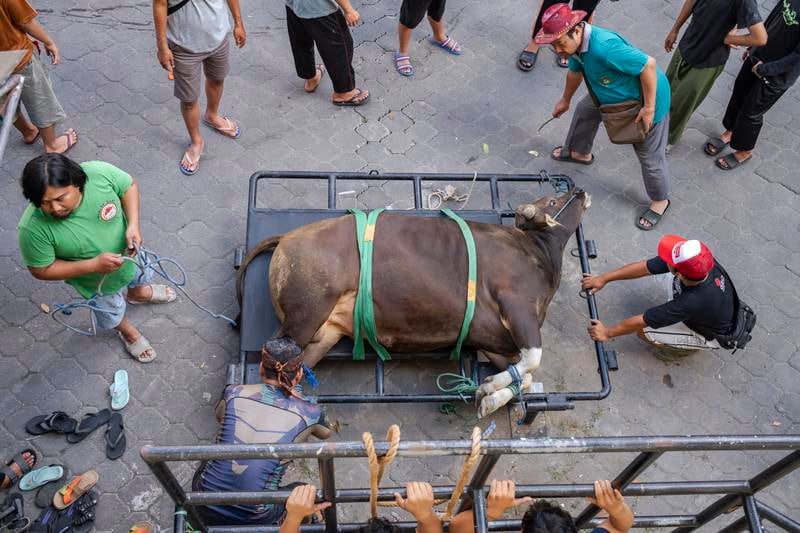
(419,284)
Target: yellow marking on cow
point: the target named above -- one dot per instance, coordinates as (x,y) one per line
(369,232)
(471,290)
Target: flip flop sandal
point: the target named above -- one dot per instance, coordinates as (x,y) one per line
(717,144)
(55,422)
(71,492)
(226,132)
(138,348)
(70,143)
(23,466)
(119,391)
(89,423)
(353,101)
(86,502)
(160,295)
(448,45)
(567,158)
(12,512)
(40,477)
(404,70)
(186,171)
(731,162)
(33,140)
(321,70)
(115,437)
(44,496)
(652,217)
(141,527)
(526,60)
(18,525)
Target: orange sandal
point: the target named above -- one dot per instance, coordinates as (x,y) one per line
(141,527)
(76,488)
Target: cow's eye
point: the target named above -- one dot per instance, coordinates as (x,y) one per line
(552,203)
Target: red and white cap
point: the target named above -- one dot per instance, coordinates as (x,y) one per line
(691,258)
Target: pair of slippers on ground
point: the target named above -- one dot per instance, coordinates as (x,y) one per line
(527,60)
(651,217)
(61,423)
(77,517)
(714,146)
(402,63)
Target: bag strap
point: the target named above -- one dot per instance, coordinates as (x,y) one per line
(472,280)
(176,7)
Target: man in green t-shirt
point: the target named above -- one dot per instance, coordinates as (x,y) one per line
(80,221)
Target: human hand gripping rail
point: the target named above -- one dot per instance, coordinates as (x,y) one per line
(144,260)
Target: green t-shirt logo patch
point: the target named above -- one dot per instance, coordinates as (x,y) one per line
(108,211)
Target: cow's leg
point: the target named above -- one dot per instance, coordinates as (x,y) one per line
(523,325)
(326,338)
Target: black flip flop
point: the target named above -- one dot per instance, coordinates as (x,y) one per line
(717,143)
(568,157)
(45,494)
(731,161)
(89,423)
(18,460)
(526,60)
(652,217)
(13,514)
(353,101)
(55,422)
(115,437)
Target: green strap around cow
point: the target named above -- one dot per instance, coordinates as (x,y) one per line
(363,311)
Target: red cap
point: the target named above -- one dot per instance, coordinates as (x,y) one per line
(691,258)
(557,20)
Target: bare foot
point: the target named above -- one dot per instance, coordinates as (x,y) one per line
(28,457)
(311,85)
(63,142)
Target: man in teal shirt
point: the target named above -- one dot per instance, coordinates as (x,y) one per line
(616,72)
(80,220)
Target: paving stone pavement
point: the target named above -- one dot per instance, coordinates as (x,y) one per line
(473,113)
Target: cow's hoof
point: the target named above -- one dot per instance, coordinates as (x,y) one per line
(489,405)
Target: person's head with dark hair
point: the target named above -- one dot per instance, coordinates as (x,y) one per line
(281,363)
(53,183)
(379,525)
(547,517)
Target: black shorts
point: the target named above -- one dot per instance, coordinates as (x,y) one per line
(413,11)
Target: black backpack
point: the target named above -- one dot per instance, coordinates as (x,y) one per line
(744,320)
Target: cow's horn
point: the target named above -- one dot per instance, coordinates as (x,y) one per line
(528,211)
(550,221)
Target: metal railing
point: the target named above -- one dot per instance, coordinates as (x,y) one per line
(735,493)
(13,87)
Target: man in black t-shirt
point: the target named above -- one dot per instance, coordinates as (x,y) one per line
(703,51)
(701,304)
(766,74)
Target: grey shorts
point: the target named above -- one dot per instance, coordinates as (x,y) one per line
(114,305)
(215,65)
(38,97)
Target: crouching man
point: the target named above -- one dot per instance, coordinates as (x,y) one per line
(271,412)
(700,306)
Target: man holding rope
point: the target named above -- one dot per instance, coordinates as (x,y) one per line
(80,221)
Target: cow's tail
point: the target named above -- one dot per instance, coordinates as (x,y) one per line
(267,245)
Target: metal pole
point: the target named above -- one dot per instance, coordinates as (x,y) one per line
(16,81)
(631,472)
(167,479)
(479,515)
(765,478)
(777,518)
(328,479)
(418,193)
(479,477)
(332,191)
(379,375)
(180,520)
(751,513)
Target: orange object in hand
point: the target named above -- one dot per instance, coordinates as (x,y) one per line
(170,76)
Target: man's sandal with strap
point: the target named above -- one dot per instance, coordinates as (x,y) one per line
(73,490)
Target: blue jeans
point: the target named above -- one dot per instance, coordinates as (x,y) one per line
(114,305)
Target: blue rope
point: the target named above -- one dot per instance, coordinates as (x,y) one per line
(145,259)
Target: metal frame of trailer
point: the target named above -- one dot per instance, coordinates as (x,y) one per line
(258,321)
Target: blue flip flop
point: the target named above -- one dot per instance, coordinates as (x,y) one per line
(119,390)
(41,476)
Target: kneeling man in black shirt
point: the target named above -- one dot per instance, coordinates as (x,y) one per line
(700,305)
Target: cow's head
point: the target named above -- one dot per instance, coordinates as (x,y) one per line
(550,212)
